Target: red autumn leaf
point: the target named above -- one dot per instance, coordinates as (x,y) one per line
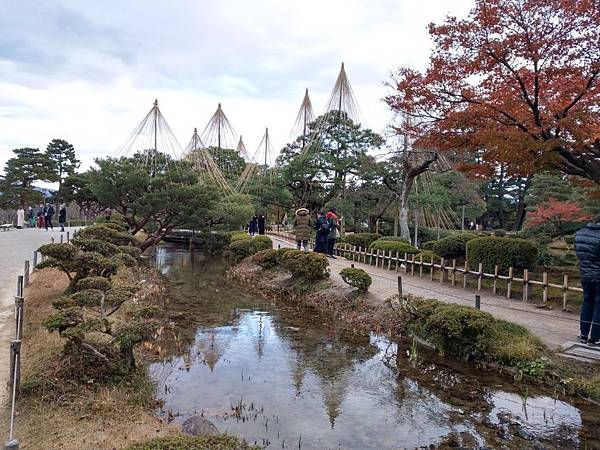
(556,213)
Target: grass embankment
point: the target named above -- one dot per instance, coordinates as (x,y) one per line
(57,408)
(459,331)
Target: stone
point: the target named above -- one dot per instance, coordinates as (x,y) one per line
(199,426)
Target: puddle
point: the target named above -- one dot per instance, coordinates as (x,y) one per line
(285,378)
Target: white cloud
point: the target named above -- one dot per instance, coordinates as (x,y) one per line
(89,71)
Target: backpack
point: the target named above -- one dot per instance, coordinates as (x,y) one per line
(324,227)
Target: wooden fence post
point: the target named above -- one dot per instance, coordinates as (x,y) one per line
(397,261)
(545,287)
(453,272)
(420,265)
(525,285)
(443,270)
(354,253)
(35,259)
(52,240)
(431,268)
(495,286)
(479,276)
(389,260)
(26,273)
(412,264)
(406,263)
(68,237)
(509,282)
(400,286)
(15,361)
(465,273)
(478,301)
(565,290)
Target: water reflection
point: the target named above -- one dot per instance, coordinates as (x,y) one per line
(287,378)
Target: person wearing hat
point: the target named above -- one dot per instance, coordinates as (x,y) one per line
(302,228)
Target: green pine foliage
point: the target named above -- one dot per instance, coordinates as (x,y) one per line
(307,265)
(357,278)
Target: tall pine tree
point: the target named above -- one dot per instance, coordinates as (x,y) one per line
(64,162)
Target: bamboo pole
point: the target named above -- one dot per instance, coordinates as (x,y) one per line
(453,272)
(495,286)
(509,283)
(545,287)
(525,285)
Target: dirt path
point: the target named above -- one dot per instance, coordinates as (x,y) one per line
(554,328)
(16,246)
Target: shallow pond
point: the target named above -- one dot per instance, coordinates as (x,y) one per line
(286,378)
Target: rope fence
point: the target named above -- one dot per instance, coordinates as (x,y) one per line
(449,272)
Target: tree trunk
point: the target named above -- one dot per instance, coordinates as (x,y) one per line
(409,179)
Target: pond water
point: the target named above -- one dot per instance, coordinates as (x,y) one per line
(287,378)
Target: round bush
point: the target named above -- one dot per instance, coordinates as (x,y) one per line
(240,236)
(262,238)
(499,232)
(245,247)
(267,259)
(427,255)
(307,265)
(453,246)
(393,246)
(504,252)
(357,278)
(214,242)
(428,245)
(361,239)
(282,251)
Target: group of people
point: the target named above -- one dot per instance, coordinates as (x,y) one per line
(42,217)
(327,230)
(257,225)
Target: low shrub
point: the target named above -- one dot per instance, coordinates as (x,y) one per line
(361,239)
(394,246)
(544,257)
(468,333)
(309,265)
(428,245)
(282,251)
(357,278)
(543,238)
(504,252)
(267,259)
(243,248)
(427,255)
(214,242)
(499,232)
(239,236)
(264,239)
(430,234)
(570,239)
(394,239)
(219,442)
(453,246)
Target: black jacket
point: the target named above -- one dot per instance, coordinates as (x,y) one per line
(587,246)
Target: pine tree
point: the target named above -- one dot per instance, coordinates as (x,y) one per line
(64,161)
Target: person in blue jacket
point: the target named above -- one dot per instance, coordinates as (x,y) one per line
(587,246)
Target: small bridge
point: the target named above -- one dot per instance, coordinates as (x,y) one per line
(181,236)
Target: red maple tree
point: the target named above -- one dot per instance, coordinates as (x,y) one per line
(516,82)
(556,213)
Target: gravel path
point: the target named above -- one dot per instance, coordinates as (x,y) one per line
(555,328)
(16,246)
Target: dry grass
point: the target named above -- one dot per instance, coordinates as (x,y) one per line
(88,416)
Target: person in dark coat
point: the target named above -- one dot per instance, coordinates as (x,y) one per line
(48,214)
(62,216)
(40,216)
(253,226)
(333,231)
(322,228)
(261,224)
(587,246)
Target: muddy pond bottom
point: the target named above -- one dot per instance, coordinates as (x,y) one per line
(285,378)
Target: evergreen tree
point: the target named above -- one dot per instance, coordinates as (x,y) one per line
(64,161)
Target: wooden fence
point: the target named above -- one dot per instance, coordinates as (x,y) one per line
(445,271)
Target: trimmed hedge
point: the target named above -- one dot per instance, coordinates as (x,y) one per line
(308,265)
(267,259)
(504,252)
(428,245)
(453,246)
(214,242)
(240,236)
(427,254)
(499,232)
(361,239)
(245,247)
(357,278)
(394,239)
(468,333)
(393,246)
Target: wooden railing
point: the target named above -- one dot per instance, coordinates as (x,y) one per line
(446,271)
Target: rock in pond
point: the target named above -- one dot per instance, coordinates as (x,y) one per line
(199,426)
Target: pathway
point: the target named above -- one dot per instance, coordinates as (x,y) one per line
(555,328)
(16,246)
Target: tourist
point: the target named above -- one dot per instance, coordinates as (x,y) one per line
(253,226)
(20,218)
(333,231)
(48,213)
(587,246)
(108,213)
(302,228)
(40,216)
(62,216)
(322,226)
(261,224)
(30,217)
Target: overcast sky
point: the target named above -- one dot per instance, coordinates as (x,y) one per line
(88,71)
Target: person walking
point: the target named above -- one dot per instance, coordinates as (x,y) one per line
(322,228)
(302,228)
(30,217)
(62,216)
(587,247)
(40,216)
(261,224)
(108,213)
(253,226)
(333,231)
(20,218)
(48,214)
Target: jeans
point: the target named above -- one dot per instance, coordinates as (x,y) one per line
(590,310)
(302,244)
(48,222)
(62,225)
